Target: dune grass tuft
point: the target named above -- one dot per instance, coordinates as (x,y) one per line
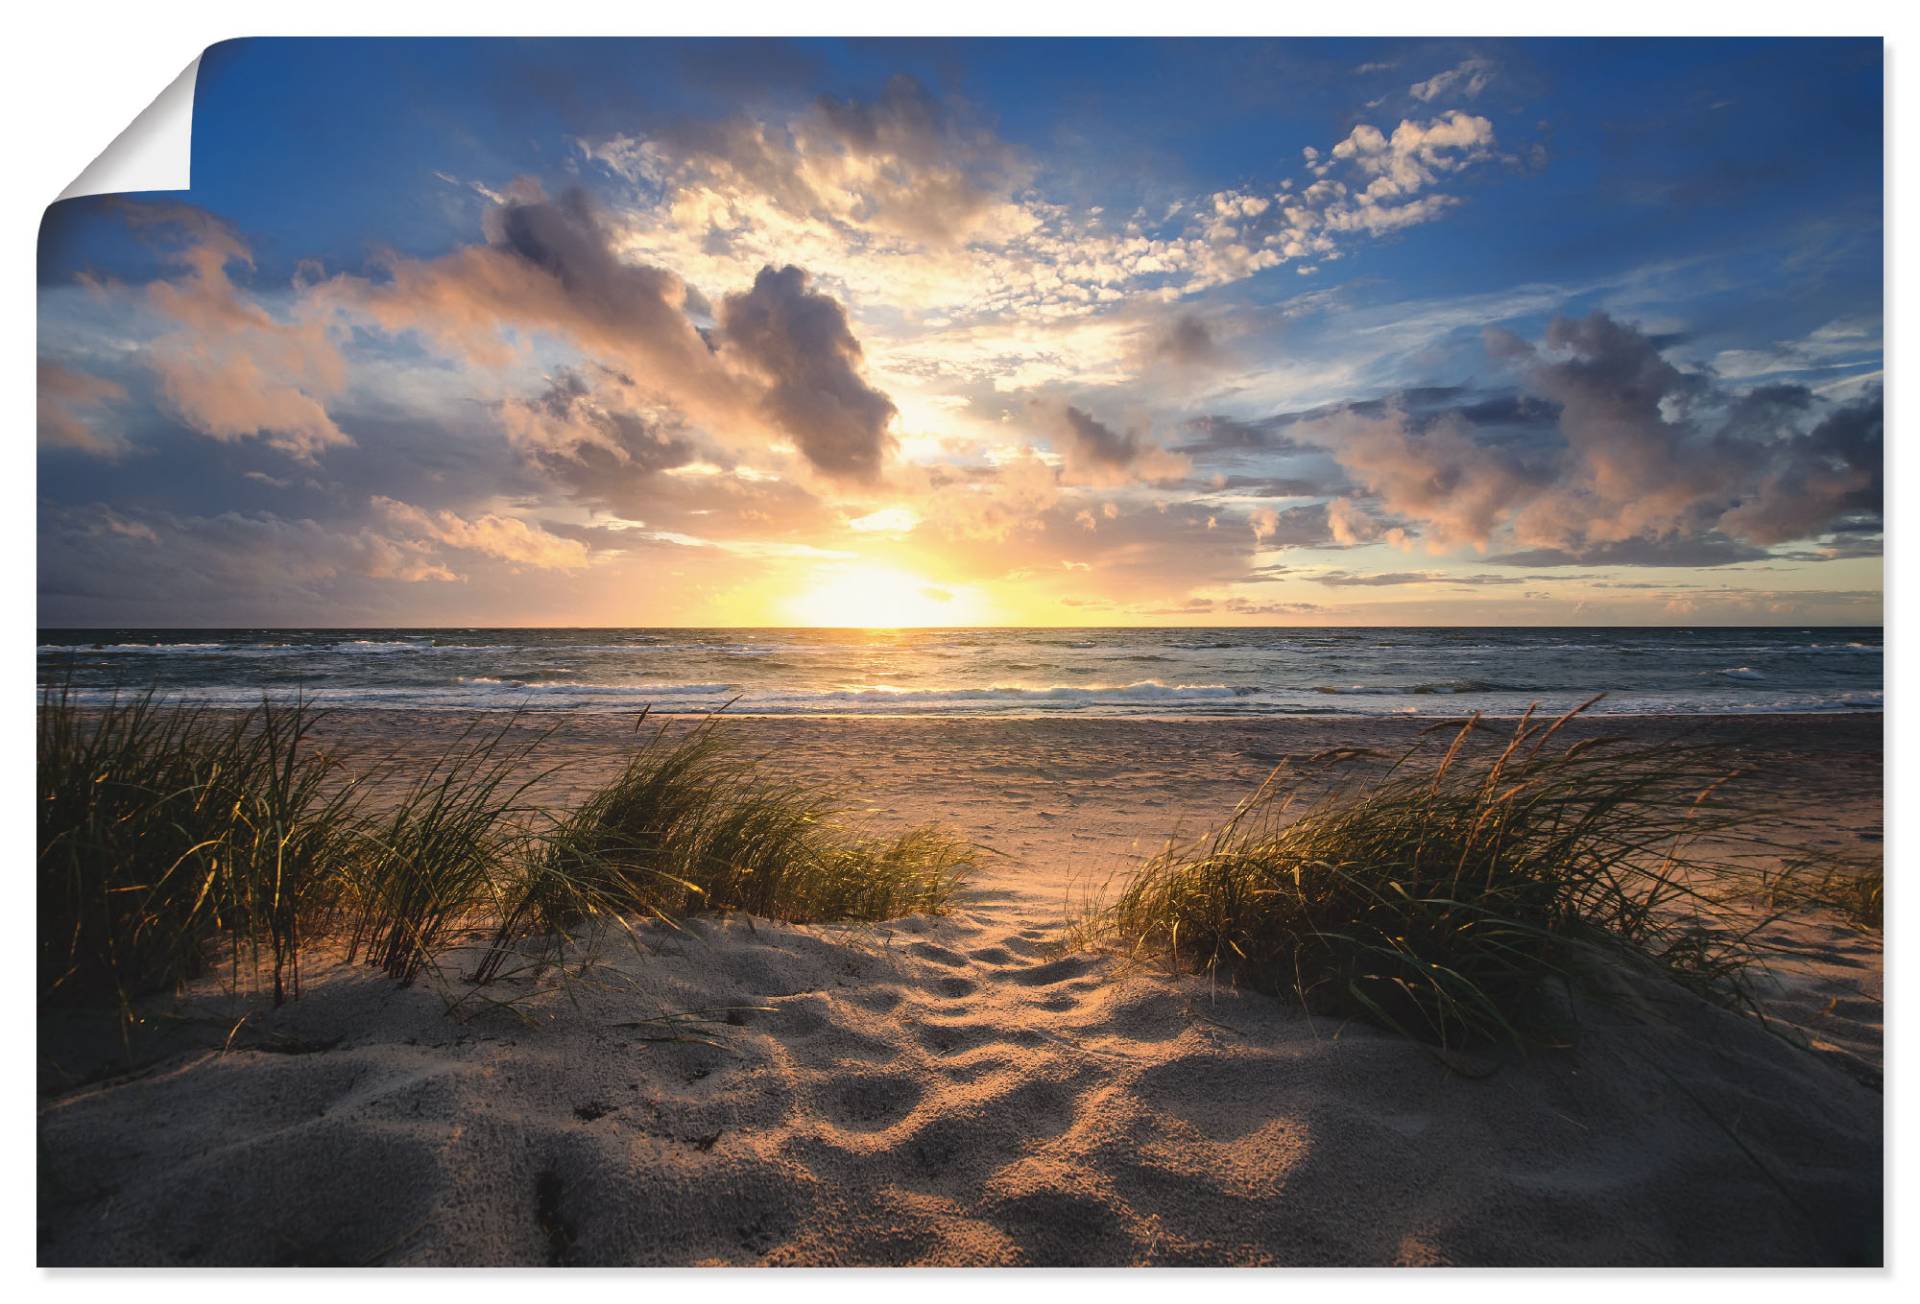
(163,829)
(692,824)
(429,866)
(1856,891)
(173,836)
(1444,898)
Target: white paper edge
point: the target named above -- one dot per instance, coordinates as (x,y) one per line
(155,152)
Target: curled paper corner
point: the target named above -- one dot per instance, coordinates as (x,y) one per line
(155,152)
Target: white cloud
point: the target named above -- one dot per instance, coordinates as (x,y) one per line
(1466,80)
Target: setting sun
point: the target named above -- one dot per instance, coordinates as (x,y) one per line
(880,597)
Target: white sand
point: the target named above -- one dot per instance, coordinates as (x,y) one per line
(958,1091)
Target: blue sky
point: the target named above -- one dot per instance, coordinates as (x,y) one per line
(1081,331)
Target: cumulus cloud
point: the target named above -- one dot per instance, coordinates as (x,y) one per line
(547,266)
(783,361)
(1370,183)
(798,342)
(232,369)
(73,408)
(1413,158)
(1635,452)
(1831,475)
(1459,489)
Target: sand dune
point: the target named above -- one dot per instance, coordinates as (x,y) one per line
(944,1091)
(964,1091)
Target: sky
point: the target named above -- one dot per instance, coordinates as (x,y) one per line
(957,332)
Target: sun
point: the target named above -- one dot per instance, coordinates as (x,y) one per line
(879,597)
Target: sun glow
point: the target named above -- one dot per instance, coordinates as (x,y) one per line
(881,597)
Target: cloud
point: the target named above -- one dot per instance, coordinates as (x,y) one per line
(887,520)
(1215,434)
(1628,452)
(1305,526)
(573,421)
(902,166)
(508,538)
(906,200)
(1187,342)
(798,342)
(548,267)
(1702,551)
(72,406)
(1465,80)
(1412,159)
(230,568)
(1459,489)
(1818,479)
(1390,579)
(233,370)
(1096,453)
(783,361)
(1251,607)
(1849,343)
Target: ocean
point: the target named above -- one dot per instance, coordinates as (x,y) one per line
(989,672)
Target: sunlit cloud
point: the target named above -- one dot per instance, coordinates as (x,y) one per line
(879,351)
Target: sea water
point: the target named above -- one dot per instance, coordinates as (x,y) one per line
(990,672)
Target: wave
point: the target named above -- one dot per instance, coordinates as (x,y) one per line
(1146,690)
(95,649)
(1419,690)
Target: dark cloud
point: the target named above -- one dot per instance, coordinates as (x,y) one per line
(1096,453)
(1187,342)
(1611,453)
(1831,474)
(641,305)
(783,359)
(799,341)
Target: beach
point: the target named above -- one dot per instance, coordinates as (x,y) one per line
(977,1088)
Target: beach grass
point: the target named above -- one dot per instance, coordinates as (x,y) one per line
(163,830)
(1446,897)
(173,837)
(1854,890)
(691,823)
(427,870)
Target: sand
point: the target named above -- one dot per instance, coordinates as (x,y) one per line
(966,1090)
